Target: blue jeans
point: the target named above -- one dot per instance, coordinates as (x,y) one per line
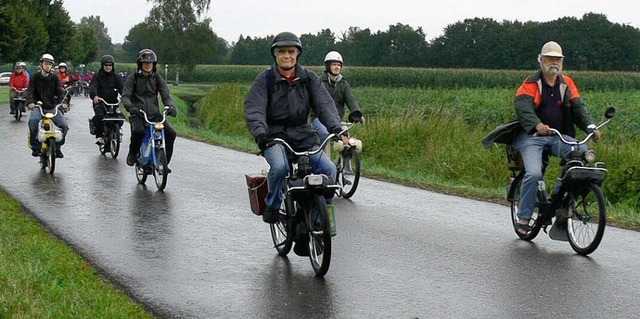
(531,148)
(60,121)
(320,128)
(276,156)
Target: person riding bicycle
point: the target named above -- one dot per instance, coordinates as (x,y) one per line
(45,87)
(278,106)
(338,88)
(106,85)
(20,81)
(546,99)
(65,78)
(140,93)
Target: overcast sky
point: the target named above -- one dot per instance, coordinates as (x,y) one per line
(259,18)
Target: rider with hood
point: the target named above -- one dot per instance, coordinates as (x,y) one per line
(106,85)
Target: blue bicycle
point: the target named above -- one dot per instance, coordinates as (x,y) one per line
(152,158)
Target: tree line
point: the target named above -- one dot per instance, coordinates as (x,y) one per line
(177,32)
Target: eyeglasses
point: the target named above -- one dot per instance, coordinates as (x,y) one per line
(109,65)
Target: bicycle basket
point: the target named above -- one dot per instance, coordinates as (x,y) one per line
(514,158)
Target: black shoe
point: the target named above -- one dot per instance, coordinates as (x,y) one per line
(12,112)
(270,216)
(168,170)
(131,159)
(59,154)
(301,248)
(36,153)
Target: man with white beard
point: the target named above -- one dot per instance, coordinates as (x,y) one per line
(546,99)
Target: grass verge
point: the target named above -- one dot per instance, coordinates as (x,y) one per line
(42,277)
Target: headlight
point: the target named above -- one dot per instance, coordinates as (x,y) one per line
(159,126)
(590,156)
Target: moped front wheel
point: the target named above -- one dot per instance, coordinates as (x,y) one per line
(114,141)
(160,171)
(282,230)
(319,235)
(536,221)
(51,155)
(588,212)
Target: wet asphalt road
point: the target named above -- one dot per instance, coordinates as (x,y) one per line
(196,250)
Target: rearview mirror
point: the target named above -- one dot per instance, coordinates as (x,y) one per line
(610,112)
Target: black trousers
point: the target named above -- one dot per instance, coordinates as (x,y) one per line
(138,127)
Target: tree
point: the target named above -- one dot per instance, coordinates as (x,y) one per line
(61,32)
(87,46)
(101,32)
(315,47)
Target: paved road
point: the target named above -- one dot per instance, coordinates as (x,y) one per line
(196,251)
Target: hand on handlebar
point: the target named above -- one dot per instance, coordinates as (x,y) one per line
(65,107)
(543,129)
(345,140)
(96,99)
(597,135)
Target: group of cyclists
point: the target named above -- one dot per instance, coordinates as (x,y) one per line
(288,101)
(46,89)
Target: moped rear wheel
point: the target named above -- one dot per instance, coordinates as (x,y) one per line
(319,235)
(349,175)
(536,220)
(160,172)
(282,230)
(588,219)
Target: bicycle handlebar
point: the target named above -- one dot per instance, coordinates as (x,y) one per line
(316,151)
(586,139)
(164,116)
(18,91)
(110,104)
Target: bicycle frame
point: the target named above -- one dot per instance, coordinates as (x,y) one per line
(153,139)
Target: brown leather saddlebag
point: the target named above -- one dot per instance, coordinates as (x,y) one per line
(257,186)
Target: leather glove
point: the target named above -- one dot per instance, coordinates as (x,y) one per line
(172,111)
(263,141)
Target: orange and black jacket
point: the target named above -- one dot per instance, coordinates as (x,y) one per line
(529,97)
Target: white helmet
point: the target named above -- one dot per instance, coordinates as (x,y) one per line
(47,57)
(551,48)
(333,56)
(62,65)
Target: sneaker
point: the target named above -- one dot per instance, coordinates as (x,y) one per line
(131,159)
(270,216)
(59,154)
(36,153)
(99,141)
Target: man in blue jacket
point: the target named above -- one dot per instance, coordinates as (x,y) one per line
(278,105)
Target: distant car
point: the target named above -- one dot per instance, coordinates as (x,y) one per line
(4,78)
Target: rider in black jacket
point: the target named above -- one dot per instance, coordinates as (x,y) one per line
(106,85)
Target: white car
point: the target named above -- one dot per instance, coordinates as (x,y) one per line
(4,78)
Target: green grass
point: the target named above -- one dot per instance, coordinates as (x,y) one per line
(42,277)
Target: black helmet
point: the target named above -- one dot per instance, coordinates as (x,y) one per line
(286,39)
(107,59)
(147,55)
